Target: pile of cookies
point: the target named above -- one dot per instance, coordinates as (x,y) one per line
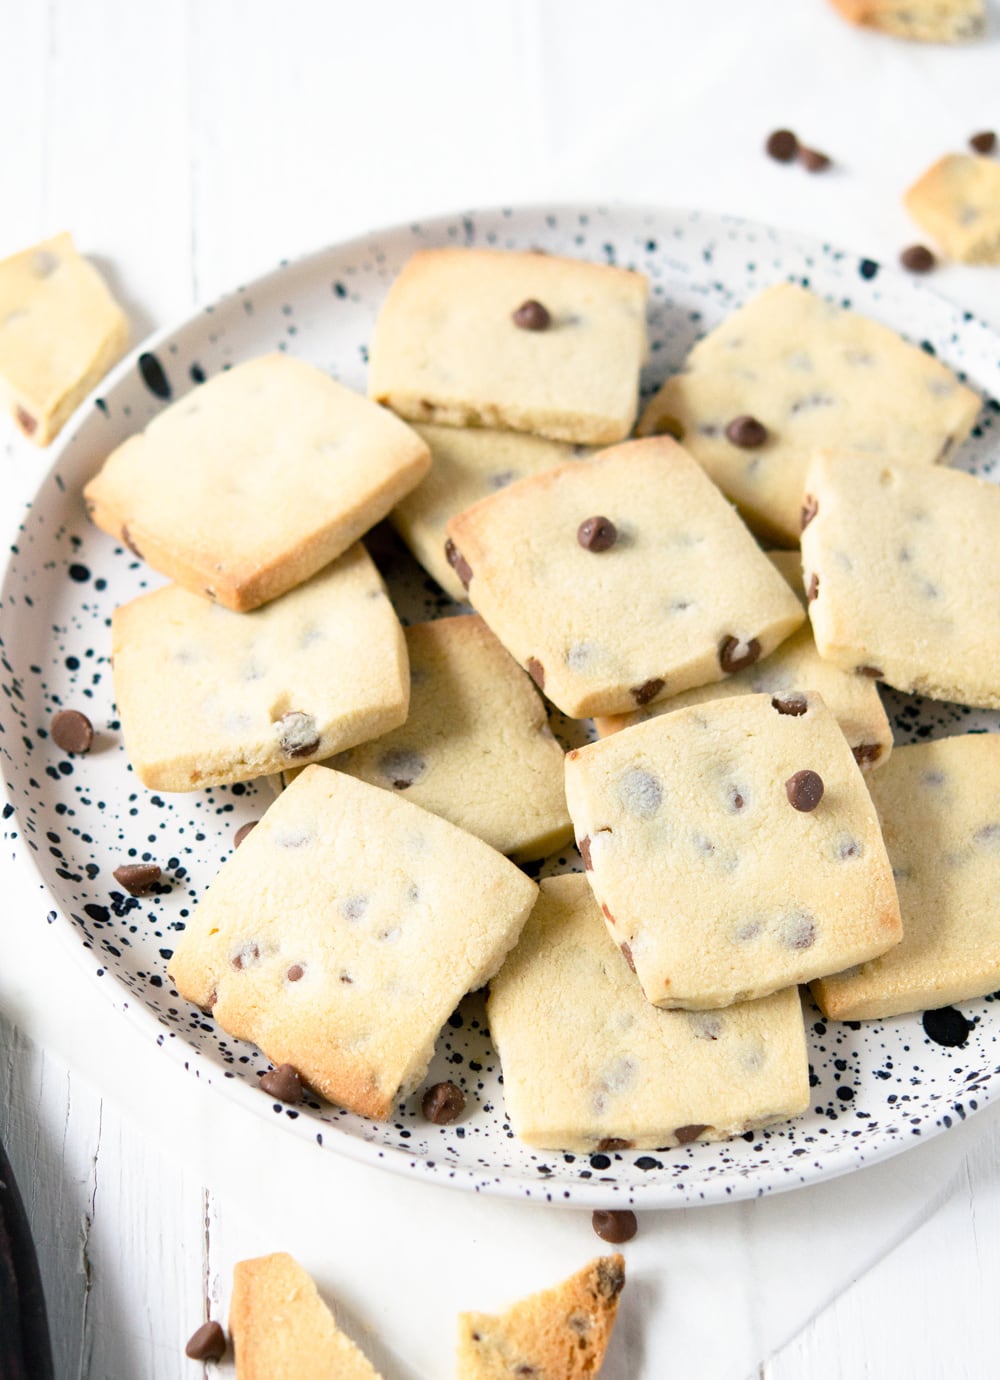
(744,824)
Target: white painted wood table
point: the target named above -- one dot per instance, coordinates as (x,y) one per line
(190,146)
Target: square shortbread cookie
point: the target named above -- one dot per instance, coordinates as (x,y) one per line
(208,696)
(813,375)
(343,933)
(939,804)
(957,201)
(603,1069)
(904,564)
(621,579)
(466,465)
(60,333)
(792,669)
(447,347)
(929,21)
(734,849)
(476,747)
(253,482)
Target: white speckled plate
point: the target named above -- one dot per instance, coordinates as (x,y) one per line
(877,1086)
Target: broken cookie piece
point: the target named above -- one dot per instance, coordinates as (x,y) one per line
(957,202)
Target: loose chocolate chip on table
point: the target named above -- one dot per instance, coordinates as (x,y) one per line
(283,1083)
(137,878)
(532,316)
(790,704)
(810,507)
(867,753)
(813,161)
(648,690)
(917,258)
(734,654)
(25,421)
(443,1103)
(72,731)
(208,1343)
(686,1134)
(615,1225)
(242,832)
(782,145)
(297,734)
(536,671)
(458,563)
(746,432)
(804,790)
(597,534)
(984,142)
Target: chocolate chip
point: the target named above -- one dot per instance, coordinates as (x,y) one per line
(666,425)
(443,1103)
(984,142)
(615,1143)
(872,672)
(917,258)
(627,955)
(246,955)
(733,657)
(295,973)
(532,316)
(242,832)
(597,534)
(402,766)
(747,432)
(813,161)
(610,1276)
(297,734)
(813,589)
(283,1083)
(867,753)
(72,731)
(584,847)
(458,563)
(648,690)
(25,421)
(208,1343)
(810,507)
(782,145)
(790,704)
(641,792)
(686,1134)
(615,1225)
(799,931)
(804,790)
(137,878)
(536,671)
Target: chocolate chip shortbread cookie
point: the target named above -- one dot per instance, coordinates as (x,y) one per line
(208,696)
(603,1069)
(621,579)
(734,849)
(808,374)
(928,21)
(343,932)
(254,481)
(957,201)
(520,341)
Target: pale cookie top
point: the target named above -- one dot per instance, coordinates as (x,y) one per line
(604,1069)
(476,747)
(621,579)
(282,1330)
(254,481)
(60,332)
(928,21)
(557,1334)
(447,349)
(734,849)
(812,375)
(344,931)
(789,671)
(957,201)
(906,574)
(208,696)
(466,465)
(939,803)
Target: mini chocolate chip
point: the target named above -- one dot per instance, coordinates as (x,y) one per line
(443,1103)
(532,316)
(686,1134)
(72,731)
(917,258)
(730,656)
(782,145)
(207,1343)
(666,425)
(810,507)
(790,704)
(137,878)
(615,1143)
(458,563)
(242,832)
(813,589)
(297,734)
(984,142)
(610,1276)
(283,1083)
(799,931)
(402,766)
(615,1225)
(25,421)
(627,955)
(295,972)
(872,672)
(244,956)
(536,671)
(867,753)
(648,690)
(813,161)
(597,534)
(804,790)
(747,432)
(584,847)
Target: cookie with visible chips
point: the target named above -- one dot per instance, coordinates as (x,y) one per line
(957,202)
(926,21)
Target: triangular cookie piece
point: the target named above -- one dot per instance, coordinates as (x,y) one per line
(282,1329)
(557,1334)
